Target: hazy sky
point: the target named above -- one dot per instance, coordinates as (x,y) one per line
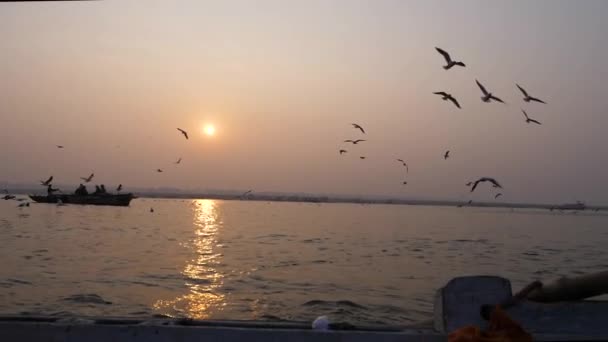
(282,81)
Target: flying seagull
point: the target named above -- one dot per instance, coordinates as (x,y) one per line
(359,127)
(407,170)
(362,157)
(486,179)
(487,96)
(47,182)
(88,179)
(159,170)
(119,188)
(447,97)
(527,97)
(497,195)
(59,146)
(355,142)
(343,151)
(528,120)
(446,155)
(448,59)
(179,160)
(183,132)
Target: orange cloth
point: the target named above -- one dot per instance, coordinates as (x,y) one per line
(502,329)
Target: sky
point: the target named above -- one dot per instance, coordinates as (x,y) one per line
(281,82)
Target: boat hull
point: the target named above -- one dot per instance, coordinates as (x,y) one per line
(122,200)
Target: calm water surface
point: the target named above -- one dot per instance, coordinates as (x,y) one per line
(214,259)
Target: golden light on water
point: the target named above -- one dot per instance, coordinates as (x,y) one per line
(202,278)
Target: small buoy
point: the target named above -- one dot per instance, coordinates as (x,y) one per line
(321,323)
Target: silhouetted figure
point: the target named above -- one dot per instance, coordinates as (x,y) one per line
(102,188)
(119,188)
(487,97)
(486,179)
(97,190)
(527,97)
(448,59)
(359,127)
(81,190)
(446,155)
(447,97)
(355,142)
(183,132)
(528,120)
(47,182)
(50,190)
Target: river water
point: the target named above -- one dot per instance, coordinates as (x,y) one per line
(211,259)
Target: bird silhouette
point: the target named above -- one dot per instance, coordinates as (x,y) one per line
(119,188)
(527,97)
(497,195)
(88,179)
(362,157)
(404,164)
(47,182)
(447,97)
(159,170)
(487,97)
(354,142)
(359,127)
(486,179)
(343,151)
(528,120)
(446,155)
(59,146)
(183,132)
(448,59)
(179,160)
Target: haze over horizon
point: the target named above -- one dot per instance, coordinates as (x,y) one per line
(281,83)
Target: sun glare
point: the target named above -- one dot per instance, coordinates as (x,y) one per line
(209,130)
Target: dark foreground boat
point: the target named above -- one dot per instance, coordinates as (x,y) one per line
(121,200)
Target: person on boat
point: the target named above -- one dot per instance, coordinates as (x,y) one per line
(97,190)
(82,190)
(103,189)
(50,190)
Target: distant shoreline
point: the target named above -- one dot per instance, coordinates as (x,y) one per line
(308,198)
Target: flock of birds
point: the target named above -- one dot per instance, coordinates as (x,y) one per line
(486,97)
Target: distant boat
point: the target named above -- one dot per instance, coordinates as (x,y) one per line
(572,206)
(121,200)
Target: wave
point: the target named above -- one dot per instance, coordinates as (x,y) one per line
(88,298)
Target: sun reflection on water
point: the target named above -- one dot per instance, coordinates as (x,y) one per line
(203,280)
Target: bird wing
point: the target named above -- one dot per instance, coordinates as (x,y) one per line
(348,141)
(475,185)
(442,93)
(454,101)
(407,169)
(522,90)
(358,140)
(496,99)
(494,182)
(536,122)
(359,127)
(525,114)
(497,195)
(483,90)
(444,54)
(401,160)
(537,100)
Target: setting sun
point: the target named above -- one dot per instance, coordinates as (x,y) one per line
(209,130)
